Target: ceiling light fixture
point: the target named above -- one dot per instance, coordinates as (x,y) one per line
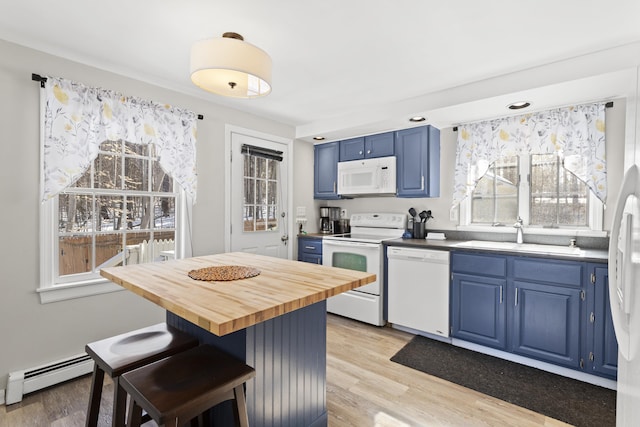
(417,119)
(519,105)
(229,66)
(319,138)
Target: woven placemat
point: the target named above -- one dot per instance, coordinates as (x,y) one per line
(224,273)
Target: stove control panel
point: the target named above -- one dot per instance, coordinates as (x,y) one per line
(379,220)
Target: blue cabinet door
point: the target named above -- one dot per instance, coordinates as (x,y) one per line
(325,171)
(367,147)
(546,322)
(352,149)
(605,344)
(418,162)
(310,249)
(478,311)
(380,145)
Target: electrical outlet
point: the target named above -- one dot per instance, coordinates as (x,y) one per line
(301,211)
(343,213)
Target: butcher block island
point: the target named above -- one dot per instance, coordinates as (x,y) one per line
(274,321)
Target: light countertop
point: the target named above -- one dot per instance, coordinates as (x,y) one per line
(222,307)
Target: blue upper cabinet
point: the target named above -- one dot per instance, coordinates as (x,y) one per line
(352,149)
(418,162)
(367,147)
(325,171)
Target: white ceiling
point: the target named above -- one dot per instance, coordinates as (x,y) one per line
(346,68)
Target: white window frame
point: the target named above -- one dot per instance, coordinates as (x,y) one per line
(596,212)
(53,289)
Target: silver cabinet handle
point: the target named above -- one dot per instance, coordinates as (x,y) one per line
(368,151)
(516,302)
(422,183)
(360,152)
(334,186)
(309,247)
(500,294)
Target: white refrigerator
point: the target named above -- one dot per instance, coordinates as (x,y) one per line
(624,285)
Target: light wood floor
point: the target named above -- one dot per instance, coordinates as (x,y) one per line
(364,388)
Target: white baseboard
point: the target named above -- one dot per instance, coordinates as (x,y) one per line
(2,397)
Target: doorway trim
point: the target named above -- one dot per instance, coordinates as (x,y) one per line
(229,130)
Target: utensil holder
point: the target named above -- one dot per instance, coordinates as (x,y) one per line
(418,230)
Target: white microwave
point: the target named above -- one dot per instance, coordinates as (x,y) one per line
(367,177)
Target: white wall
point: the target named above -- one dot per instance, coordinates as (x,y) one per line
(440,206)
(32,333)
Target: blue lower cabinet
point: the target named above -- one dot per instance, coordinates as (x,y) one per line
(546,323)
(478,310)
(310,249)
(555,311)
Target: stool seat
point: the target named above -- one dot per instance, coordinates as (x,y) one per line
(183,386)
(122,353)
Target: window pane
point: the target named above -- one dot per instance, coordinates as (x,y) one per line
(249,218)
(136,172)
(161,182)
(139,213)
(108,171)
(249,191)
(110,213)
(557,196)
(273,169)
(75,213)
(260,194)
(272,220)
(109,249)
(273,193)
(111,147)
(76,254)
(495,198)
(164,212)
(261,167)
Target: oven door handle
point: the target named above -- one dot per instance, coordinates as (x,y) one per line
(350,244)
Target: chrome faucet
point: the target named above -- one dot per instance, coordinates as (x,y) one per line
(518,226)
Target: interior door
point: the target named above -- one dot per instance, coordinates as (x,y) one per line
(259,194)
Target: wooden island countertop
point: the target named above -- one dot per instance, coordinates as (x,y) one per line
(223,307)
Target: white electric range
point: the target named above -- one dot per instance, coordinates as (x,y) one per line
(361,250)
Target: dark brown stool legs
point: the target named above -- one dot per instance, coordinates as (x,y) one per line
(122,353)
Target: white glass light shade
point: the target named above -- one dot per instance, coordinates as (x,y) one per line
(231,67)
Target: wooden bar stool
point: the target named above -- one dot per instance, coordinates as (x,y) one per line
(122,353)
(181,387)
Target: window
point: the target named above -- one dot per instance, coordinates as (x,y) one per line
(495,198)
(557,197)
(121,211)
(261,188)
(547,196)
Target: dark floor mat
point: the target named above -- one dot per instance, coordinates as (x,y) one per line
(565,399)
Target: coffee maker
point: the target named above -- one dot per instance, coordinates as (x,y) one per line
(329,218)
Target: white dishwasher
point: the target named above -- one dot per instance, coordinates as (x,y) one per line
(418,289)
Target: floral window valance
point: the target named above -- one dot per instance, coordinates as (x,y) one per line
(77,119)
(576,134)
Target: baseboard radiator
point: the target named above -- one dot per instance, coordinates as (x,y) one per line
(28,381)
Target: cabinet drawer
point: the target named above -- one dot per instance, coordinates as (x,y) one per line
(311,246)
(471,263)
(564,273)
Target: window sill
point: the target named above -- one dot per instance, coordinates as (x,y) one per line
(535,230)
(76,290)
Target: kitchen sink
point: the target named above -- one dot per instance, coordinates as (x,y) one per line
(521,247)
